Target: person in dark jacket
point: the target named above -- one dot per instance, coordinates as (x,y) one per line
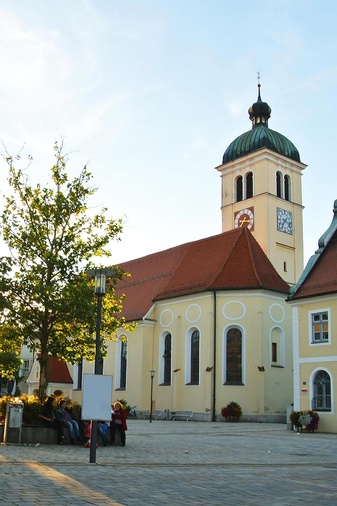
(47,415)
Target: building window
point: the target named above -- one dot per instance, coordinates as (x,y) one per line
(195,358)
(277,347)
(274,352)
(192,349)
(249,185)
(283,186)
(124,351)
(320,327)
(286,187)
(279,184)
(79,374)
(233,358)
(26,367)
(165,359)
(322,391)
(121,363)
(239,189)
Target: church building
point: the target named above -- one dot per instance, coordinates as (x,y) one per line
(213,324)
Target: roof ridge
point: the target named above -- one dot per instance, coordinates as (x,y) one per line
(230,252)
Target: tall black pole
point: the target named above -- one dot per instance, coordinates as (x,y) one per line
(151,396)
(98,370)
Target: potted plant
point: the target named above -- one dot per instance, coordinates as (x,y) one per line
(305,420)
(232,411)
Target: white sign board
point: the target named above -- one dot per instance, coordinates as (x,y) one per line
(97,394)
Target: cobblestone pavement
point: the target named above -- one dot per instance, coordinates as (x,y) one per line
(178,463)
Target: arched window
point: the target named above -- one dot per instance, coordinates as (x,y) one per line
(249,185)
(277,347)
(322,391)
(167,359)
(239,189)
(233,357)
(287,187)
(121,363)
(124,351)
(192,355)
(279,184)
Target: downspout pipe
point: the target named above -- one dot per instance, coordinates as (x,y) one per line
(214,356)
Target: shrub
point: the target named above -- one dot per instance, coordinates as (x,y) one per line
(232,410)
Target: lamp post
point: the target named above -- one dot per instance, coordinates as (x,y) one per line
(151,396)
(100,276)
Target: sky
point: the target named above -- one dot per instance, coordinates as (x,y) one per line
(149,94)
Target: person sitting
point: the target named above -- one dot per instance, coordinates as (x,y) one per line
(48,417)
(118,422)
(65,418)
(102,430)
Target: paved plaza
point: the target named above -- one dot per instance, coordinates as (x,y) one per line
(178,463)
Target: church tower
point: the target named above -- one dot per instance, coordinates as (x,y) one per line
(261,189)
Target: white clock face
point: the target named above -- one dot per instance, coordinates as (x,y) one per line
(244,218)
(284,221)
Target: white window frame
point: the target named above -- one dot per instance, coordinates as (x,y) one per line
(310,327)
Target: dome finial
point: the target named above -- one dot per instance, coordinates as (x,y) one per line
(258,86)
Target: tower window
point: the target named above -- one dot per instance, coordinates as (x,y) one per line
(249,185)
(278,184)
(239,189)
(287,187)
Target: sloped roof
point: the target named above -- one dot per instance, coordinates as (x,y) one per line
(58,371)
(229,261)
(320,274)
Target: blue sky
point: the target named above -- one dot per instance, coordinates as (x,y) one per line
(150,93)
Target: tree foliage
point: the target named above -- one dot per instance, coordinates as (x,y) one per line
(47,300)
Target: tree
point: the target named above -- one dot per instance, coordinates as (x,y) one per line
(47,300)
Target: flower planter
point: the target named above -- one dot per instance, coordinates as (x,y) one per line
(232,412)
(305,420)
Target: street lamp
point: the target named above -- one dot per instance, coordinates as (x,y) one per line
(151,394)
(100,276)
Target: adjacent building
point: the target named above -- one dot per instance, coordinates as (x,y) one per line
(314,305)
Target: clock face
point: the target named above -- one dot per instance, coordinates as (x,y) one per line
(284,221)
(244,218)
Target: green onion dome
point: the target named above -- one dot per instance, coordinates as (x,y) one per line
(260,136)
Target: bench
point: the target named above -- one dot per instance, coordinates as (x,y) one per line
(155,415)
(184,415)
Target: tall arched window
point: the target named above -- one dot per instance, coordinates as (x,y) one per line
(233,357)
(239,189)
(322,391)
(167,359)
(287,187)
(249,185)
(194,357)
(124,351)
(279,184)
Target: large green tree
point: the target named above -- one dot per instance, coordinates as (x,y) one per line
(47,300)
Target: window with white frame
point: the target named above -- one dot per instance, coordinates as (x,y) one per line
(319,327)
(283,186)
(233,357)
(277,347)
(322,391)
(192,357)
(78,374)
(165,350)
(121,363)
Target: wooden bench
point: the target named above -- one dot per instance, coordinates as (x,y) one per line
(155,415)
(184,415)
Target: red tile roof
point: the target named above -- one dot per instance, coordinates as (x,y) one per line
(230,261)
(322,277)
(58,371)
